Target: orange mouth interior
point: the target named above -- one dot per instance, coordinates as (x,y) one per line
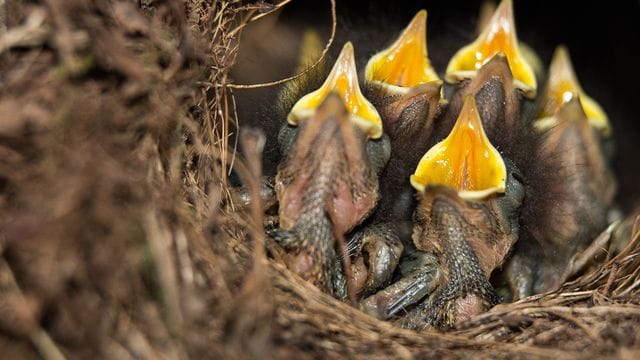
(465,161)
(499,36)
(562,86)
(343,79)
(405,63)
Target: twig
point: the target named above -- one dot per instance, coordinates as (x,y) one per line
(630,288)
(585,294)
(38,336)
(184,261)
(577,322)
(237,124)
(160,244)
(64,37)
(3,17)
(612,277)
(45,345)
(579,261)
(253,141)
(34,32)
(628,263)
(635,231)
(275,8)
(596,310)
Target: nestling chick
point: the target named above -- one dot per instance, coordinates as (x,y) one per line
(569,208)
(467,216)
(406,90)
(327,184)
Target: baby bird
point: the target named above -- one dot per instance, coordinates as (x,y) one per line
(467,216)
(406,90)
(327,183)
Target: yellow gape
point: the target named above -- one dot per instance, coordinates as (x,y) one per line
(405,63)
(562,86)
(343,79)
(498,36)
(465,160)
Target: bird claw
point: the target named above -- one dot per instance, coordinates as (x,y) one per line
(285,238)
(414,285)
(376,250)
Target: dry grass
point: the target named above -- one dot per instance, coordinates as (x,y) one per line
(118,237)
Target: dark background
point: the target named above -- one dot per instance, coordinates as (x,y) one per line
(602,38)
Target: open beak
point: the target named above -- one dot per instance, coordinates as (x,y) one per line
(563,86)
(498,36)
(343,79)
(405,63)
(487,10)
(465,161)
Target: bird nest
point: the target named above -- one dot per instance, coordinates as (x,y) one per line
(119,237)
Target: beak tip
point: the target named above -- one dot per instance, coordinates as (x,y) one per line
(561,59)
(348,47)
(405,63)
(562,50)
(347,54)
(505,8)
(497,36)
(420,18)
(416,183)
